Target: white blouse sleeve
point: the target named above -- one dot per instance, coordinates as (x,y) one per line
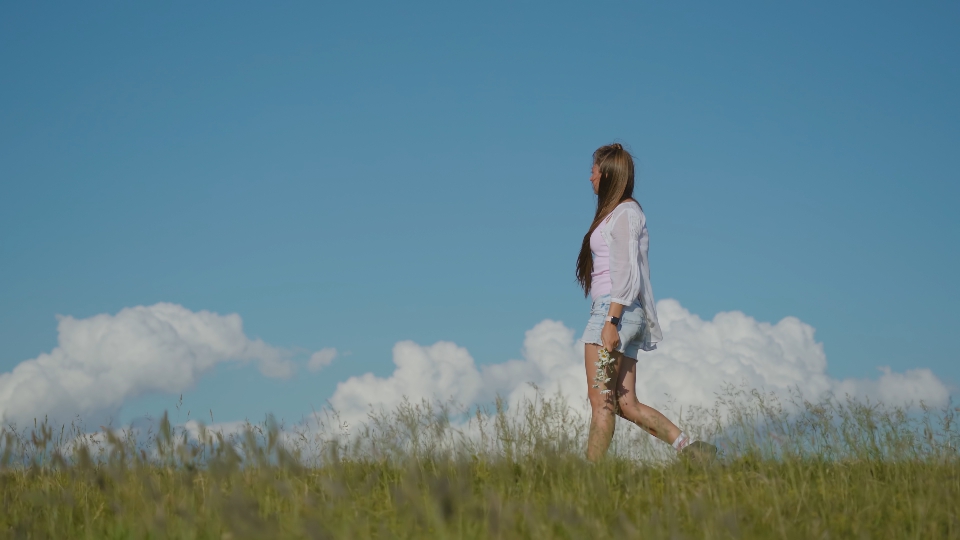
(630,269)
(624,270)
(653,332)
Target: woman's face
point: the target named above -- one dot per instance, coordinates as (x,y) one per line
(595,178)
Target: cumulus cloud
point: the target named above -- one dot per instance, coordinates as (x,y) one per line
(321,359)
(696,359)
(104,360)
(437,371)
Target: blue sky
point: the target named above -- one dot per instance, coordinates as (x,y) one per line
(356,174)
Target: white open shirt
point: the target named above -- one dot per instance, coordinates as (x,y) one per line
(625,231)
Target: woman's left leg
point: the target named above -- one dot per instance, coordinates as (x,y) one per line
(648,418)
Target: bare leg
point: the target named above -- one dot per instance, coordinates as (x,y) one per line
(648,418)
(602,406)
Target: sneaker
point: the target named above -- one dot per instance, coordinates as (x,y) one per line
(700,452)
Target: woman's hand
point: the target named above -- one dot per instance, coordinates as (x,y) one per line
(609,336)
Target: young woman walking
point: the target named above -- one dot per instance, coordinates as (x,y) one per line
(613,269)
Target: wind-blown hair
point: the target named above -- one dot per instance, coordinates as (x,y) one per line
(616,185)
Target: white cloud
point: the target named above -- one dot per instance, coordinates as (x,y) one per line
(693,363)
(438,371)
(911,385)
(104,360)
(321,359)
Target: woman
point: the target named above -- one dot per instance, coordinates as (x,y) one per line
(613,269)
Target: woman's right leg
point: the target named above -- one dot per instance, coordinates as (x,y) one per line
(603,406)
(648,418)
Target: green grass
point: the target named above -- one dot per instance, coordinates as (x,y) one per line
(825,470)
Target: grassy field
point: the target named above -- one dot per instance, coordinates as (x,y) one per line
(826,470)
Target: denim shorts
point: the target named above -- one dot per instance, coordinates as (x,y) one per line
(631,328)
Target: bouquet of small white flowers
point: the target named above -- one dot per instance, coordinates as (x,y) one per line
(604,361)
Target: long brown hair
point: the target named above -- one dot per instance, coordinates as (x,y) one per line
(616,186)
